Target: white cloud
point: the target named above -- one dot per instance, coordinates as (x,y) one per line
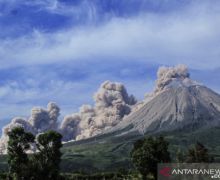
(190,36)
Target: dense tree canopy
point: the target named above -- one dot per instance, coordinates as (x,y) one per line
(147,153)
(43,164)
(198,154)
(19,142)
(49,156)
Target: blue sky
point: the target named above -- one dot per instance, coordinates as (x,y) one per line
(62,50)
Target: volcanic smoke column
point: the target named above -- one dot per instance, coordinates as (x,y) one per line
(40,121)
(112,103)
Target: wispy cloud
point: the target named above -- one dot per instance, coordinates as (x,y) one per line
(190,36)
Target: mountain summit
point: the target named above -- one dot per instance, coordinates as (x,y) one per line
(177,103)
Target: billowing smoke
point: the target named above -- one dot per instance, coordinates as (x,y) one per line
(167,74)
(16,122)
(70,127)
(44,119)
(111,93)
(177,76)
(40,121)
(112,103)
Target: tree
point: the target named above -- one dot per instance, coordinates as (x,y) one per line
(147,153)
(180,156)
(49,156)
(198,154)
(19,142)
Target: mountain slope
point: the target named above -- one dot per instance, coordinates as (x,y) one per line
(176,108)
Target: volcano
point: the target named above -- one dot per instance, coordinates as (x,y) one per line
(182,110)
(176,108)
(178,103)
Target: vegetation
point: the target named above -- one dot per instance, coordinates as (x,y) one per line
(113,152)
(198,154)
(104,158)
(19,142)
(147,153)
(48,157)
(180,156)
(44,164)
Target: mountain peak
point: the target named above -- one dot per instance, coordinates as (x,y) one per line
(177,76)
(177,102)
(169,77)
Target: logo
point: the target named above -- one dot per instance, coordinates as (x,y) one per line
(183,171)
(166,171)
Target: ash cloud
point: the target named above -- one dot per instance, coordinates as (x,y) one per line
(40,120)
(70,126)
(16,122)
(45,119)
(166,74)
(112,103)
(168,77)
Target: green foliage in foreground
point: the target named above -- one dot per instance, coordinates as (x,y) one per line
(101,176)
(97,176)
(47,160)
(19,142)
(198,154)
(44,164)
(113,152)
(109,154)
(147,153)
